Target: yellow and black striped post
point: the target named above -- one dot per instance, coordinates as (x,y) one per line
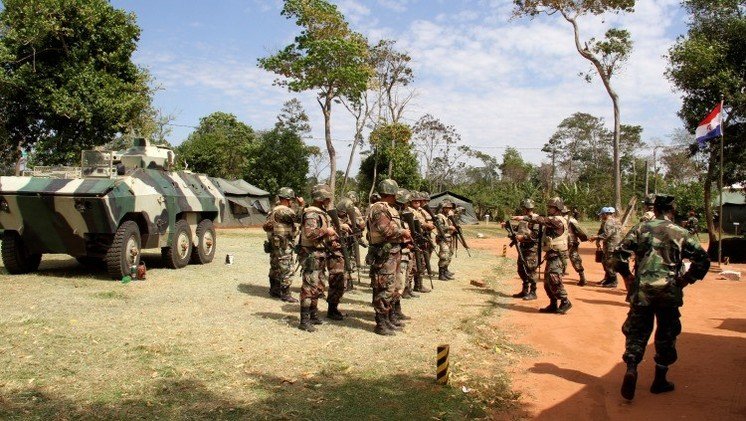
(505,250)
(441,376)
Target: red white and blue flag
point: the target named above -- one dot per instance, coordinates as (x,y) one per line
(711,127)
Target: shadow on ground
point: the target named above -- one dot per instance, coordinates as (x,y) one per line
(330,397)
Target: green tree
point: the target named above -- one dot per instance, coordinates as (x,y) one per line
(279,159)
(513,168)
(708,64)
(67,80)
(327,56)
(221,146)
(293,118)
(405,168)
(607,56)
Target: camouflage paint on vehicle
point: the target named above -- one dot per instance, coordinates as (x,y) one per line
(80,216)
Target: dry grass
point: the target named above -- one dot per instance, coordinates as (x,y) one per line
(207,342)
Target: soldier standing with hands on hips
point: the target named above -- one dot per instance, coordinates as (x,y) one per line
(281,231)
(656,290)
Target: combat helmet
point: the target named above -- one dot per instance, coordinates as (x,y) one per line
(321,192)
(402,196)
(352,195)
(388,187)
(527,204)
(286,193)
(345,205)
(556,203)
(446,204)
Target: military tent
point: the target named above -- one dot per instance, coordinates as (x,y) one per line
(734,209)
(467,216)
(246,204)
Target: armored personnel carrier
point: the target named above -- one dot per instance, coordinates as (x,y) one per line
(108,210)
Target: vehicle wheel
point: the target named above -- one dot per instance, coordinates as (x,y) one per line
(16,258)
(205,251)
(124,251)
(177,256)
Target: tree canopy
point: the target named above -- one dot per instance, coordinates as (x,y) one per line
(67,80)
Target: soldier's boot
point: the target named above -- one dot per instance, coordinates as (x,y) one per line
(418,285)
(449,274)
(274,288)
(399,314)
(582,281)
(286,296)
(442,275)
(382,327)
(660,383)
(305,320)
(564,306)
(349,286)
(531,295)
(408,292)
(551,308)
(314,315)
(629,384)
(333,313)
(524,291)
(609,284)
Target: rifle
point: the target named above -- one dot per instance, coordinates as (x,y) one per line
(514,242)
(417,240)
(459,234)
(438,225)
(344,241)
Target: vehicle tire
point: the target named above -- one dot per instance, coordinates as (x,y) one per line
(178,254)
(205,250)
(124,251)
(16,258)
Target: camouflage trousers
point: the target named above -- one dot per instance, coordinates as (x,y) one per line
(383,273)
(574,257)
(405,270)
(527,270)
(553,277)
(281,261)
(314,268)
(445,252)
(609,271)
(639,326)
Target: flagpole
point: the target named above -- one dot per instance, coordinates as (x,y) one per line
(720,212)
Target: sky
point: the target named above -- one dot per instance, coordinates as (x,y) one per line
(500,81)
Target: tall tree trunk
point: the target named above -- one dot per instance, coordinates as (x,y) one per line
(375,174)
(358,139)
(326,109)
(708,197)
(617,158)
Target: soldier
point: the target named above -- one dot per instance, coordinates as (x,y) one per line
(281,231)
(386,237)
(527,236)
(692,224)
(346,212)
(609,235)
(554,242)
(425,242)
(320,252)
(655,291)
(445,251)
(408,261)
(576,235)
(648,215)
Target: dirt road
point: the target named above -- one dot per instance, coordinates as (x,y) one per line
(577,371)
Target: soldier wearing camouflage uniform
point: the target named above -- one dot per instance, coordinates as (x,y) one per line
(655,291)
(281,231)
(346,212)
(357,223)
(576,235)
(608,237)
(445,249)
(527,236)
(425,242)
(319,253)
(386,237)
(649,215)
(692,224)
(408,265)
(554,242)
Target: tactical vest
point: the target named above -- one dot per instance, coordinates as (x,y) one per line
(375,237)
(281,228)
(558,243)
(313,212)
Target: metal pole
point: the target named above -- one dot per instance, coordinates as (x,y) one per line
(720,218)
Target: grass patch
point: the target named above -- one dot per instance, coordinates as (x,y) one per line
(111,295)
